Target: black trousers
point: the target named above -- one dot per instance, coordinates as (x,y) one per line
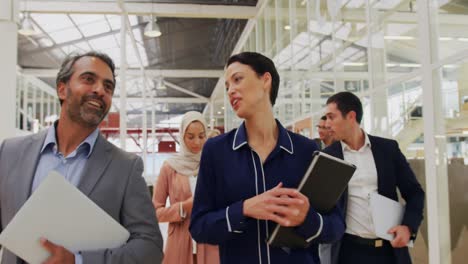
(352,252)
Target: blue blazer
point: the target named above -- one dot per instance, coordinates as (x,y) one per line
(231,172)
(393,171)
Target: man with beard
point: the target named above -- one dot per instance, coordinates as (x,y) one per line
(110,177)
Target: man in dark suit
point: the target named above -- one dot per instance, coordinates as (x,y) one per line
(325,138)
(109,176)
(382,168)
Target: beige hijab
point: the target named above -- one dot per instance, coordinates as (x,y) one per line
(185,162)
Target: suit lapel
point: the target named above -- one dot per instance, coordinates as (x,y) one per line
(339,154)
(379,160)
(96,165)
(337,151)
(28,164)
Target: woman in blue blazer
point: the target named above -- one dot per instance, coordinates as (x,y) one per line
(247,178)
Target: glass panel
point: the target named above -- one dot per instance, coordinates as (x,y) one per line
(260,35)
(452,27)
(52,22)
(405,110)
(114,21)
(65,35)
(394,40)
(82,19)
(103,43)
(96,28)
(282,27)
(455,107)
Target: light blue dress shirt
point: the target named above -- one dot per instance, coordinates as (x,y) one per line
(71,167)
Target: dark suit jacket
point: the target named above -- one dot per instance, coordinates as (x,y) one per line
(112,179)
(393,172)
(318,141)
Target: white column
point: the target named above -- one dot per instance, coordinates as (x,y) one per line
(55,106)
(34,103)
(278,28)
(145,132)
(49,107)
(339,84)
(376,68)
(41,118)
(153,133)
(20,85)
(25,106)
(438,214)
(8,53)
(462,81)
(123,79)
(211,113)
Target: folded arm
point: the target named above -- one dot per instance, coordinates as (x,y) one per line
(171,213)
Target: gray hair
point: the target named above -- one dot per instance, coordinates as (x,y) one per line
(66,69)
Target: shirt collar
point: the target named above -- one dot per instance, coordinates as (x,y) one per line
(51,139)
(284,140)
(367,143)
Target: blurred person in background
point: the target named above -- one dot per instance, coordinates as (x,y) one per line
(213,133)
(177,180)
(325,138)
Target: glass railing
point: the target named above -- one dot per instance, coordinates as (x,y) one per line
(37,104)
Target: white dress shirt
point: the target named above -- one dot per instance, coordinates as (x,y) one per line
(364,182)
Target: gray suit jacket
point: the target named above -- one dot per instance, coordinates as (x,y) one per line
(112,179)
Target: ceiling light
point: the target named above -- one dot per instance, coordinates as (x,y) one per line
(152,28)
(445,38)
(287,27)
(219,112)
(161,84)
(354,63)
(165,108)
(450,66)
(463,39)
(27,28)
(398,37)
(410,65)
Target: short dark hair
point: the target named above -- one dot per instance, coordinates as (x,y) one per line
(324,118)
(66,69)
(347,102)
(261,65)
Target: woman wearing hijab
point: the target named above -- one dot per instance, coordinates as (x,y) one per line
(177,181)
(247,179)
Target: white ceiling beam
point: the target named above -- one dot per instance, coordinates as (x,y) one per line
(348,75)
(158,9)
(169,100)
(41,85)
(405,17)
(175,73)
(359,15)
(210,11)
(186,91)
